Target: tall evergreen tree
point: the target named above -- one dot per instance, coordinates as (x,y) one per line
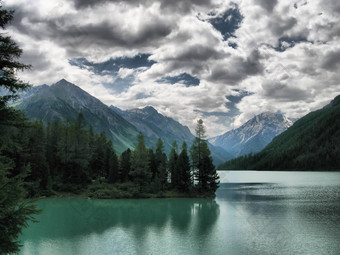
(184,171)
(140,171)
(161,164)
(14,211)
(112,163)
(125,165)
(172,165)
(203,168)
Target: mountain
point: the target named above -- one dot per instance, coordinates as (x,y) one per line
(64,101)
(254,135)
(155,125)
(312,143)
(24,94)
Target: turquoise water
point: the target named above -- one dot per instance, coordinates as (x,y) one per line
(253,213)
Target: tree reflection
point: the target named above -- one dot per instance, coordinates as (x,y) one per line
(68,218)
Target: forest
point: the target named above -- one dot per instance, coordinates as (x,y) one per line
(312,143)
(69,158)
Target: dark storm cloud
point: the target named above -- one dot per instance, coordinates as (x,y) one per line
(198,52)
(181,6)
(228,22)
(283,92)
(237,69)
(331,61)
(280,26)
(107,35)
(332,5)
(183,78)
(75,38)
(195,58)
(268,5)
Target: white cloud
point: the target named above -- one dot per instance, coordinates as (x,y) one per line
(295,81)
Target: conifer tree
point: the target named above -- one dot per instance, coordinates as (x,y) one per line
(161,164)
(14,211)
(172,165)
(125,165)
(140,171)
(204,170)
(184,171)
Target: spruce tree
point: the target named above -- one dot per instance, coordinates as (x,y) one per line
(172,165)
(15,212)
(140,172)
(125,165)
(184,171)
(161,164)
(203,168)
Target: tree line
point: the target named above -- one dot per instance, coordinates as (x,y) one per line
(40,160)
(312,143)
(69,157)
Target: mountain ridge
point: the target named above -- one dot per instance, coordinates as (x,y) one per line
(64,101)
(311,143)
(253,135)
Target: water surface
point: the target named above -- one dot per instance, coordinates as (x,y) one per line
(253,213)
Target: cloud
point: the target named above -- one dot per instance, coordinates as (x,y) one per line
(227,22)
(183,78)
(283,54)
(283,92)
(266,4)
(331,61)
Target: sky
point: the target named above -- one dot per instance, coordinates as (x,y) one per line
(222,61)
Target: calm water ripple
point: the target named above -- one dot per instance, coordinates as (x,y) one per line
(253,213)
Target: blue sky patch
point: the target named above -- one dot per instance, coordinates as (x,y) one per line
(289,42)
(113,65)
(228,22)
(184,78)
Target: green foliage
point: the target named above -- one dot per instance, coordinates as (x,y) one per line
(185,183)
(312,143)
(140,171)
(15,211)
(172,164)
(203,168)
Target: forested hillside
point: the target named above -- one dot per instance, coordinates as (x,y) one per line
(312,143)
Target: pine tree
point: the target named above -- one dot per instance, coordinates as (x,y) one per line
(140,172)
(172,165)
(15,212)
(125,165)
(203,168)
(184,171)
(112,163)
(161,164)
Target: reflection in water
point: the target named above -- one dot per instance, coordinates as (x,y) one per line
(254,213)
(77,218)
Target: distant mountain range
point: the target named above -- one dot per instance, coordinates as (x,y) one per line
(254,135)
(64,101)
(155,125)
(311,143)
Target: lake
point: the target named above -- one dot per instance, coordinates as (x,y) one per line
(253,213)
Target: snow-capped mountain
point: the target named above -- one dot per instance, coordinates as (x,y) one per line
(254,135)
